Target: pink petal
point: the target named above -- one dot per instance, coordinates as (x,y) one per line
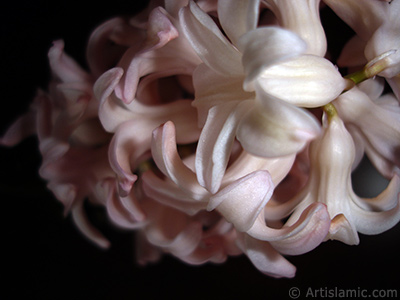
(64,67)
(83,224)
(313,233)
(165,155)
(169,194)
(265,258)
(242,201)
(308,231)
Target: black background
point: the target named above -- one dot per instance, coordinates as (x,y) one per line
(47,258)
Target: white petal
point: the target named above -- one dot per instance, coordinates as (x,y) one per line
(265,47)
(307,81)
(215,143)
(209,42)
(222,90)
(301,17)
(238,17)
(274,128)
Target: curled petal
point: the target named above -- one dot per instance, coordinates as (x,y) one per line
(241,202)
(386,200)
(83,224)
(309,237)
(247,163)
(64,67)
(125,212)
(160,29)
(342,230)
(215,143)
(307,233)
(169,194)
(208,41)
(166,157)
(104,49)
(158,56)
(369,222)
(265,258)
(125,149)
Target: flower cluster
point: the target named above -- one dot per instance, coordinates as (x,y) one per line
(218,128)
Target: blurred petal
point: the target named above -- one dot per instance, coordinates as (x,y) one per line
(238,17)
(82,222)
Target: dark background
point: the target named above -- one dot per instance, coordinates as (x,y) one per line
(47,258)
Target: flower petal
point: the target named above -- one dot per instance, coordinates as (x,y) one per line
(238,17)
(215,143)
(166,157)
(274,128)
(265,47)
(241,202)
(209,42)
(222,90)
(368,222)
(301,17)
(83,224)
(309,230)
(265,258)
(306,80)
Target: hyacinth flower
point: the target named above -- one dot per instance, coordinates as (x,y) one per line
(127,108)
(330,183)
(72,141)
(248,90)
(246,189)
